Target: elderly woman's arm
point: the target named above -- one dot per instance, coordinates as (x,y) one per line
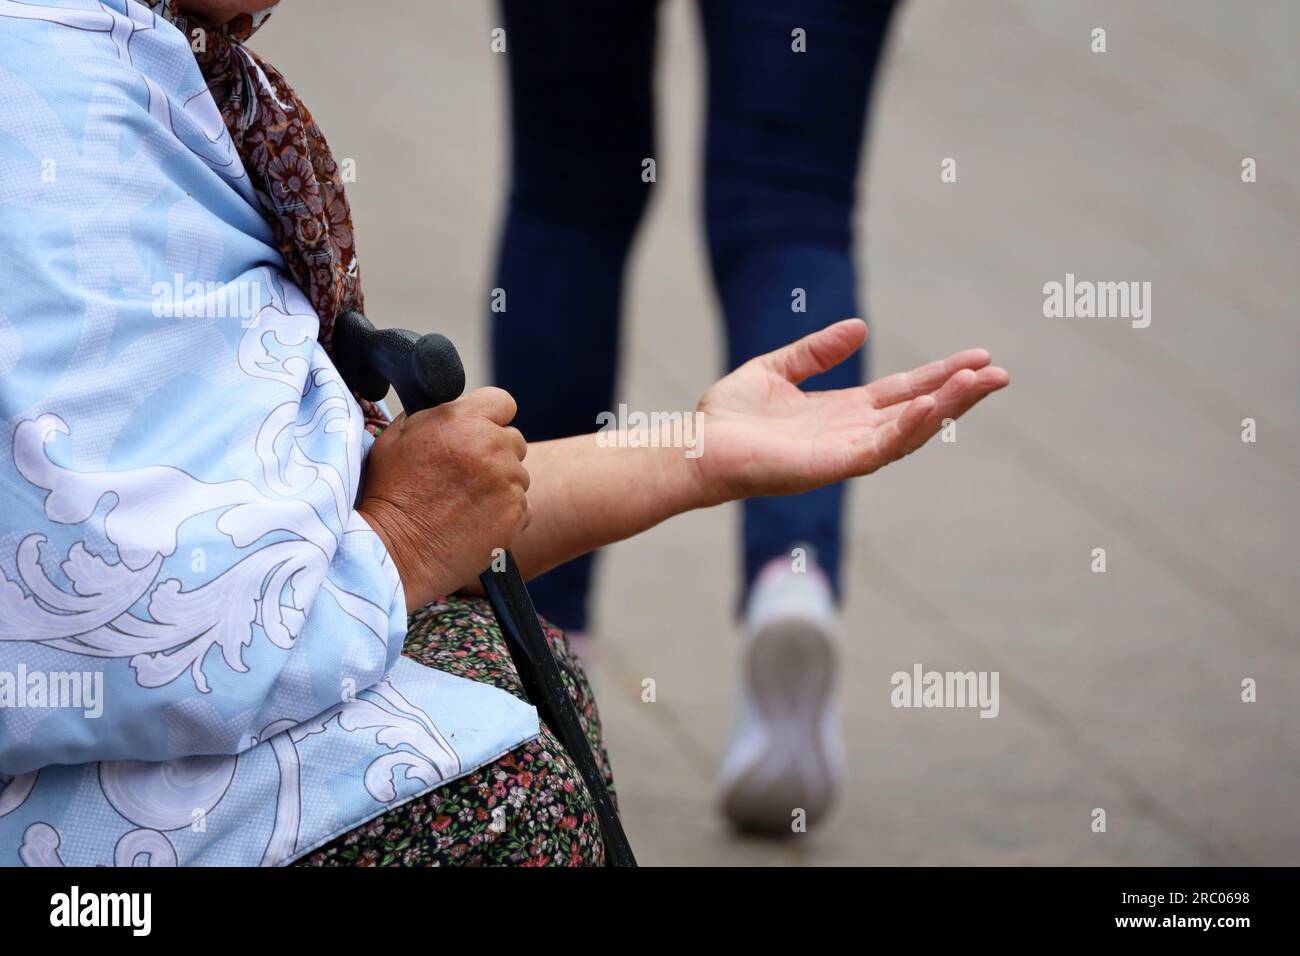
(756,433)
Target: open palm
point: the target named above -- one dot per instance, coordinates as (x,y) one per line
(763,435)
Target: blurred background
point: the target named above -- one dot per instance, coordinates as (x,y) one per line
(1121,690)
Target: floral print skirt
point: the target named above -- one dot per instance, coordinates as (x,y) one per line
(529,808)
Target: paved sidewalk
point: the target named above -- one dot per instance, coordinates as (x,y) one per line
(1120,690)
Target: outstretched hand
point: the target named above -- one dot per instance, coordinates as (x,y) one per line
(763,435)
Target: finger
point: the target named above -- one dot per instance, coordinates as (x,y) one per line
(987,380)
(985,383)
(494,404)
(525,517)
(515,441)
(958,396)
(922,417)
(917,421)
(966,388)
(817,352)
(993,378)
(904,386)
(393,430)
(948,404)
(896,436)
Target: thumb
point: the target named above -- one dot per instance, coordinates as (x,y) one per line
(815,353)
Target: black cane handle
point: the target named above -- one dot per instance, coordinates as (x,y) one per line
(424,369)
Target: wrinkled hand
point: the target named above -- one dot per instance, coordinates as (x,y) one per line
(763,435)
(444,488)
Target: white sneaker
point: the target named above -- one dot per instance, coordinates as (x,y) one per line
(786,754)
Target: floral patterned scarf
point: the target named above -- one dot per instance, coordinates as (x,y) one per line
(289,164)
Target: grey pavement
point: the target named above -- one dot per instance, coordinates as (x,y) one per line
(1120,690)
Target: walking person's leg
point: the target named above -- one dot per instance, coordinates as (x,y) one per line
(581,124)
(786,119)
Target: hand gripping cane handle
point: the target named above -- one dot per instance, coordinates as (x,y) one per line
(426,371)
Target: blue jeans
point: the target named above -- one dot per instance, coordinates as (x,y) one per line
(784,138)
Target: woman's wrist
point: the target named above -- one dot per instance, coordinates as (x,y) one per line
(686,483)
(372,513)
(587,491)
(419,581)
(669,460)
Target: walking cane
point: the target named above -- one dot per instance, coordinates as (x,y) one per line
(426,371)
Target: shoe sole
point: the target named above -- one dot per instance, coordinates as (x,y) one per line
(791,670)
